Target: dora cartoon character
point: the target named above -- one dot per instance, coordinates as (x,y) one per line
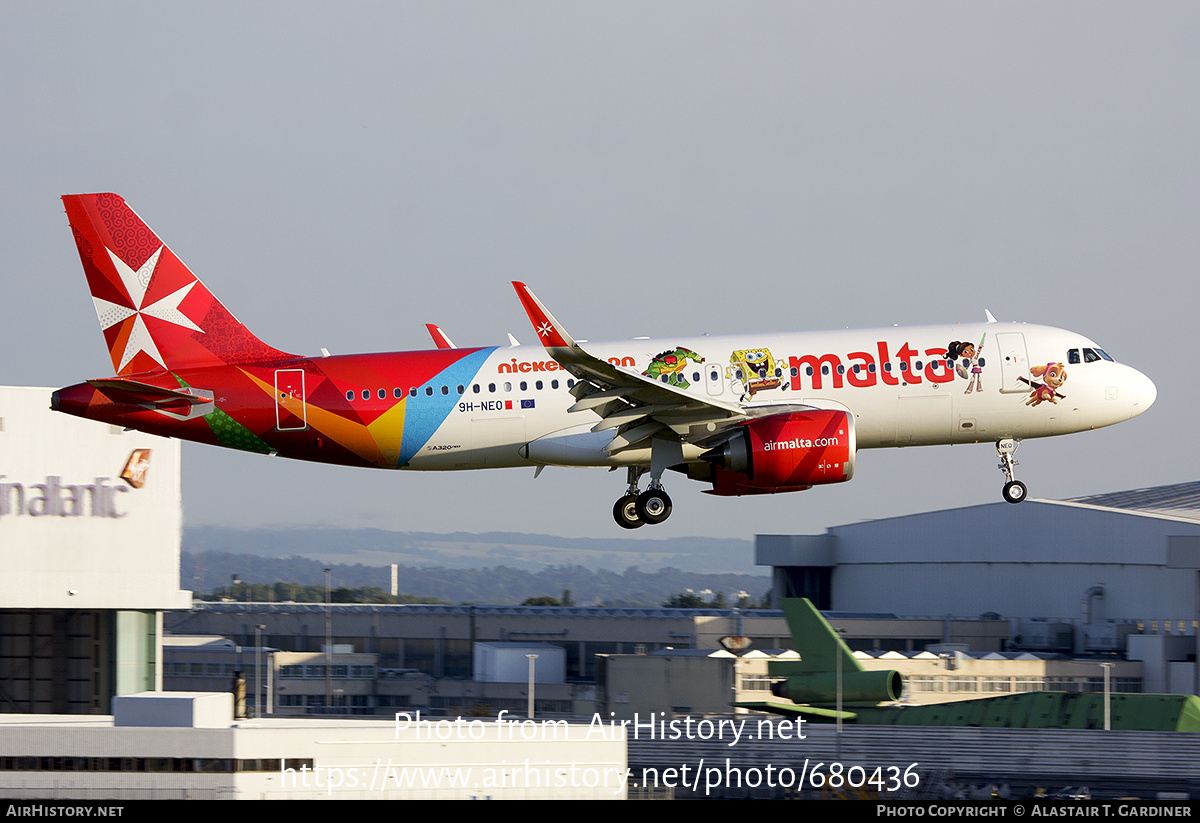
(972,358)
(1053,376)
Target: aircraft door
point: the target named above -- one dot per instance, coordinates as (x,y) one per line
(923,419)
(497,440)
(290,411)
(1014,362)
(713,382)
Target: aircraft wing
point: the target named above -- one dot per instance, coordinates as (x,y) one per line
(638,406)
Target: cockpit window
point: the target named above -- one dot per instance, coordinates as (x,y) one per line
(1090,356)
(1104,354)
(1073,356)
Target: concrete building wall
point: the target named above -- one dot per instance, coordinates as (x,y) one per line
(73,534)
(88,558)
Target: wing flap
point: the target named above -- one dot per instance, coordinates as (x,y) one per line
(636,405)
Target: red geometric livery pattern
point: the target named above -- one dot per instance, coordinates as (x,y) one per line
(179,354)
(152,309)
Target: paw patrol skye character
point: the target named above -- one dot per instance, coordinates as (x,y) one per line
(1053,376)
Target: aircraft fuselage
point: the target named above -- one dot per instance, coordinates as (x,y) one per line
(450,409)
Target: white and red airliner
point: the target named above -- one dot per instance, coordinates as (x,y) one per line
(758,413)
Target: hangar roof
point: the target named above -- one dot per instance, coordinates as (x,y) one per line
(1178,500)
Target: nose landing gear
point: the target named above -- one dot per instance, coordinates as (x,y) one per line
(1014,490)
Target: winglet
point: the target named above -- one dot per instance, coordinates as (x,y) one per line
(439,337)
(550,332)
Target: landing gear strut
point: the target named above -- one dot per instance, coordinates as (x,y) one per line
(635,509)
(1014,490)
(625,510)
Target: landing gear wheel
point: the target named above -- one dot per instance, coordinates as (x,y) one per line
(1015,491)
(625,513)
(653,506)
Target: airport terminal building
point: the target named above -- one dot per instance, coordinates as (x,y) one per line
(90,519)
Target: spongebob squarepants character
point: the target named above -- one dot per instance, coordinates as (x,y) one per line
(755,369)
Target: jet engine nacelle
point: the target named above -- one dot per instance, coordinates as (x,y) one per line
(857,687)
(785,452)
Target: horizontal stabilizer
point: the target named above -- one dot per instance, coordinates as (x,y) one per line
(137,393)
(793,711)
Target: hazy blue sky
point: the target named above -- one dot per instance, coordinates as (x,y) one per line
(340,175)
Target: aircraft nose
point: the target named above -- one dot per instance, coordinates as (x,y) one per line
(1142,392)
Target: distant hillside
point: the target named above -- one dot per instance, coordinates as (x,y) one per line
(377,547)
(496,585)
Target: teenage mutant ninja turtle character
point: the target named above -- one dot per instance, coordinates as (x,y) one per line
(755,368)
(668,367)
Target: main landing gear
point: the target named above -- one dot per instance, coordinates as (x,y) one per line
(636,509)
(1014,490)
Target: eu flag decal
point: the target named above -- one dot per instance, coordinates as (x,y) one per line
(527,404)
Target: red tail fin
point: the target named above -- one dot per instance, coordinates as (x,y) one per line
(154,313)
